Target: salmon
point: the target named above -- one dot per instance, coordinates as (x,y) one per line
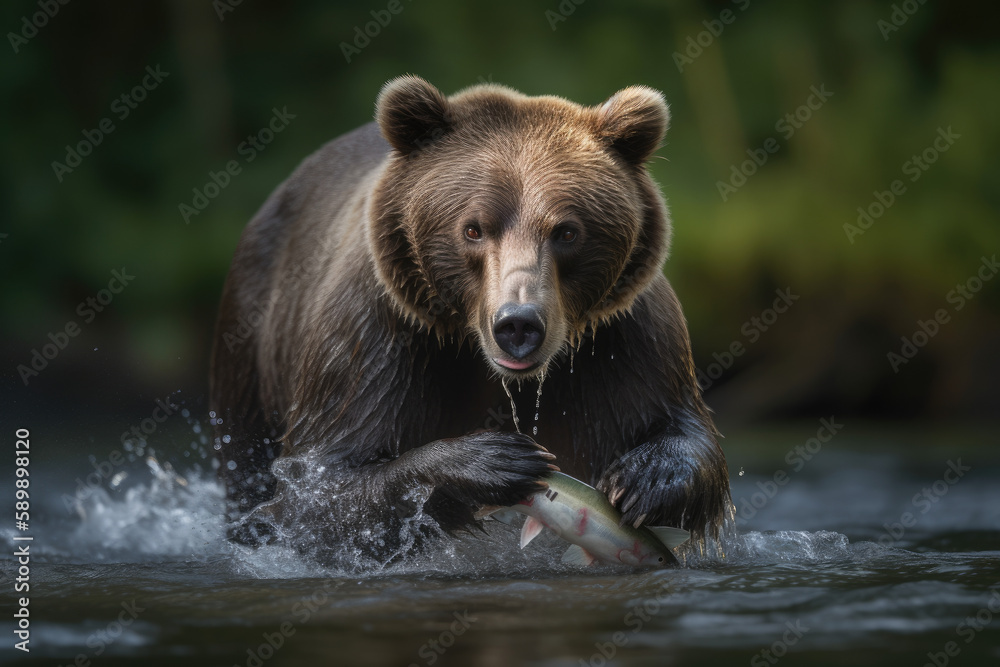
(584,517)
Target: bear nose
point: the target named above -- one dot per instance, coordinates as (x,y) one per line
(518,329)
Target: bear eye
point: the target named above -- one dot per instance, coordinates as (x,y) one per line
(473,232)
(564,234)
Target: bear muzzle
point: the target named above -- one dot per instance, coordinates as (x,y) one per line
(519,330)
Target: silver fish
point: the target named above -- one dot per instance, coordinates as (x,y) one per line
(583,516)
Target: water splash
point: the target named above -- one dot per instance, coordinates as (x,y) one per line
(797,547)
(151,511)
(169,515)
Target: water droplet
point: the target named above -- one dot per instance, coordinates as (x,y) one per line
(185,412)
(612,357)
(513,407)
(212,414)
(227,439)
(231,465)
(538,399)
(741,471)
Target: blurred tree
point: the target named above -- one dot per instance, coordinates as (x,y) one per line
(733,71)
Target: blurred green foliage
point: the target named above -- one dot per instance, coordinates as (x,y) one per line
(783,228)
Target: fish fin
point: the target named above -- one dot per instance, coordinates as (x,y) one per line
(486,511)
(530,530)
(577,555)
(671,537)
(501,514)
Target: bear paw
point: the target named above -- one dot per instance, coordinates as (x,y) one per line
(489,468)
(661,484)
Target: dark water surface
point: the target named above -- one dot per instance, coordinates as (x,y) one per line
(874,548)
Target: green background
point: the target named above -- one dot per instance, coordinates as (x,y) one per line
(782,229)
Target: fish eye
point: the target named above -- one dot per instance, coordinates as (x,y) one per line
(660,559)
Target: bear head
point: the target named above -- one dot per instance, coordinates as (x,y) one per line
(520,221)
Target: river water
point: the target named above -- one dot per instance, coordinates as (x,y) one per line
(879,546)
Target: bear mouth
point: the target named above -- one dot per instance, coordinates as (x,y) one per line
(516,365)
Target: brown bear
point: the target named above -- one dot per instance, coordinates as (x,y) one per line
(427,289)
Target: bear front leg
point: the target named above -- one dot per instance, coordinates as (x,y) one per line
(678,477)
(463,474)
(346,512)
(485,468)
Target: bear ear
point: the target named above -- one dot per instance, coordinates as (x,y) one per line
(411,113)
(633,121)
